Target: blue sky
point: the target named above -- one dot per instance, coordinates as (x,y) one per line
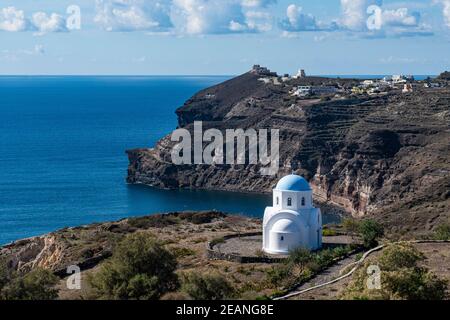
(208,37)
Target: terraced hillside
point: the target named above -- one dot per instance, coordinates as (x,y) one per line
(384,155)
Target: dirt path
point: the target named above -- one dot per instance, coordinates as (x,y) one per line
(329,291)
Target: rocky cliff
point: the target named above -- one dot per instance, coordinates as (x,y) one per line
(383,155)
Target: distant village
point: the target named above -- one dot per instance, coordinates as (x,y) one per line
(310,86)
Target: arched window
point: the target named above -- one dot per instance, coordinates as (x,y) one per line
(303,201)
(278,200)
(282,238)
(289,202)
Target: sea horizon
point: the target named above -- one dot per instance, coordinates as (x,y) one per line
(357,76)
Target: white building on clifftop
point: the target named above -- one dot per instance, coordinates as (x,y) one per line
(292,221)
(300,74)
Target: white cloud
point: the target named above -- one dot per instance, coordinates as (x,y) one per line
(133,15)
(445,10)
(394,21)
(258,3)
(208,16)
(184,16)
(45,23)
(220,16)
(400,17)
(259,21)
(13,20)
(297,20)
(237,27)
(396,60)
(399,22)
(354,13)
(17,55)
(37,50)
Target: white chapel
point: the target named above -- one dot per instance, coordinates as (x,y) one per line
(292,221)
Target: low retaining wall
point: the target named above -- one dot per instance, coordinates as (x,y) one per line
(84,265)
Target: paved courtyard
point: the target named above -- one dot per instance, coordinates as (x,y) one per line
(251,246)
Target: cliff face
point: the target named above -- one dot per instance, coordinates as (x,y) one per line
(81,246)
(382,155)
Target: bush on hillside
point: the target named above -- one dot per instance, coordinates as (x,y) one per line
(38,284)
(140,268)
(208,286)
(350,225)
(442,232)
(401,277)
(370,231)
(300,256)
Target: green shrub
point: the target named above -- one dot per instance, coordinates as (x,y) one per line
(324,257)
(5,274)
(415,284)
(140,268)
(442,232)
(341,251)
(399,256)
(156,221)
(182,252)
(276,276)
(201,217)
(209,286)
(217,241)
(370,231)
(300,257)
(350,225)
(401,277)
(328,232)
(38,284)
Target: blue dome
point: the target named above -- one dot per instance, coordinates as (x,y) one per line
(293,182)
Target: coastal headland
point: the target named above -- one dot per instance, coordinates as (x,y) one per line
(375,148)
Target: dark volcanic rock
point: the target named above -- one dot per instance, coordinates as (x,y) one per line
(444,75)
(382,155)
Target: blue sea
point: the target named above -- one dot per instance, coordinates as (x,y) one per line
(62,151)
